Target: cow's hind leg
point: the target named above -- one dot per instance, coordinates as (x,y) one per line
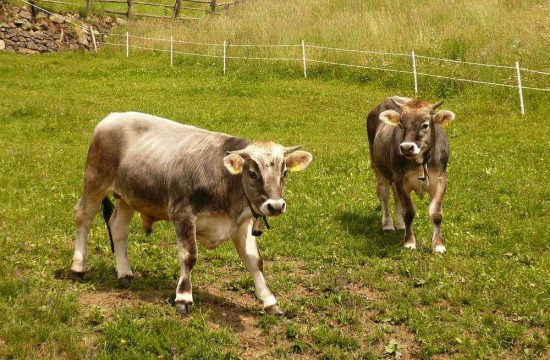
(436,214)
(187,253)
(383,192)
(85,211)
(118,224)
(247,248)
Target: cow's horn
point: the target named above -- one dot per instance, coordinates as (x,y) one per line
(437,104)
(238,152)
(292,149)
(398,103)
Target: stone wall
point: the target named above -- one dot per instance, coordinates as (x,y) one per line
(20,33)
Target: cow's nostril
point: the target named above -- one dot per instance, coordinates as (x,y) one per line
(270,207)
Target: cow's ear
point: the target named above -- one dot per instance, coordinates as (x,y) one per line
(390,117)
(443,117)
(298,160)
(234,163)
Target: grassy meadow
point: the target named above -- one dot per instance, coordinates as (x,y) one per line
(348,290)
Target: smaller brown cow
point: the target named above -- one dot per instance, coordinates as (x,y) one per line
(409,151)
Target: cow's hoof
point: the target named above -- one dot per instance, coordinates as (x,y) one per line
(410,245)
(400,227)
(184,308)
(125,282)
(77,275)
(439,249)
(388,228)
(274,309)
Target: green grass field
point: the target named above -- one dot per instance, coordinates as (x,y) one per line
(348,290)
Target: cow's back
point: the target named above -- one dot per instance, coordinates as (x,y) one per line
(152,159)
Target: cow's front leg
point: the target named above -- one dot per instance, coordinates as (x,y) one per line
(248,251)
(399,211)
(408,215)
(383,192)
(436,213)
(187,253)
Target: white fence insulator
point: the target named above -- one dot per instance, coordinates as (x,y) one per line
(224,55)
(520,90)
(414,73)
(304,58)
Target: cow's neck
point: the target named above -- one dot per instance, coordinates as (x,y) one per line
(259,220)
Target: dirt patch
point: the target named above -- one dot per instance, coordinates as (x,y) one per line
(109,301)
(239,313)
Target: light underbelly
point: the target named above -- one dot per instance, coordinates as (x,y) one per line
(213,229)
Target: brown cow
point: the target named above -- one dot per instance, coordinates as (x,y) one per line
(209,185)
(409,151)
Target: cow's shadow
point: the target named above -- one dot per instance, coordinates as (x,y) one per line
(159,291)
(366,229)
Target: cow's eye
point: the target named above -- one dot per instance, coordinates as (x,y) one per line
(252,175)
(425,126)
(285,172)
(400,126)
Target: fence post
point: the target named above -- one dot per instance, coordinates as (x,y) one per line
(414,73)
(212,6)
(304,58)
(177,7)
(89,6)
(130,8)
(127,45)
(93,38)
(224,55)
(32,9)
(520,90)
(171,51)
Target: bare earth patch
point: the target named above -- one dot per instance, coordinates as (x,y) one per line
(237,312)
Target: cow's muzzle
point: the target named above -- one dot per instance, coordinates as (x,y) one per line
(272,207)
(409,149)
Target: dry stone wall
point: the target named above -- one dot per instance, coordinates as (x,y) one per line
(20,33)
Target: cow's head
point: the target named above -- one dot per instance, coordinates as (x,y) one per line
(416,122)
(264,166)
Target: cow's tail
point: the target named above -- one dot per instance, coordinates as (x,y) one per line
(107,209)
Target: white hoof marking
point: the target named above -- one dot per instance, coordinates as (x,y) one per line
(186,297)
(270,300)
(411,246)
(440,249)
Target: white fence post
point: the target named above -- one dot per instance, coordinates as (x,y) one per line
(127,45)
(520,90)
(414,73)
(93,38)
(171,51)
(224,55)
(304,58)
